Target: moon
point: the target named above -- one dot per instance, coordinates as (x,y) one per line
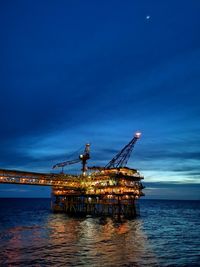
(148,17)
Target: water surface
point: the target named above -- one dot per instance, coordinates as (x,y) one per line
(166,234)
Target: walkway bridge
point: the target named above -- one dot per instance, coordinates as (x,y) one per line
(34,178)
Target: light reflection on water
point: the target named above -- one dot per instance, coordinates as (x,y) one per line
(30,235)
(64,241)
(91,242)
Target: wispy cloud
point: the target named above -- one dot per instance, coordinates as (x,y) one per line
(65,83)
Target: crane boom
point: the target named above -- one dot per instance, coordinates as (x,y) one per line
(83,158)
(65,163)
(121,159)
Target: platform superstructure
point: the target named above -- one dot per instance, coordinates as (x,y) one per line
(101,191)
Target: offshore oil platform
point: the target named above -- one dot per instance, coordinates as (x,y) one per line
(98,191)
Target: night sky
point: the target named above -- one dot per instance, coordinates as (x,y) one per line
(73,72)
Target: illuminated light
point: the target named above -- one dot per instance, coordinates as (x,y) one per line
(137,135)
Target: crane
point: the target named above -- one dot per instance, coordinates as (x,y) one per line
(121,159)
(82,158)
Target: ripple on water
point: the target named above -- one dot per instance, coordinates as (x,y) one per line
(166,235)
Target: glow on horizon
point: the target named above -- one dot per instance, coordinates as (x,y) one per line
(110,72)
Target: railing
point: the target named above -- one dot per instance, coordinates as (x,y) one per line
(31,178)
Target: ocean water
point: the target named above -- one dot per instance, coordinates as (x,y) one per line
(166,234)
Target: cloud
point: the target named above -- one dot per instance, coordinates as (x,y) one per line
(158,190)
(163,154)
(64,83)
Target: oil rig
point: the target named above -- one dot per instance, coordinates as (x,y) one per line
(112,190)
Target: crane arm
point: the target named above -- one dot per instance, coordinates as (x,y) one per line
(121,159)
(83,158)
(65,163)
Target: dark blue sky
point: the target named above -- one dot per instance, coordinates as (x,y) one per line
(73,72)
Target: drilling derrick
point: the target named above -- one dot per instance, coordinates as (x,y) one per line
(104,191)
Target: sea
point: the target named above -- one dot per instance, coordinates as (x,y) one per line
(167,233)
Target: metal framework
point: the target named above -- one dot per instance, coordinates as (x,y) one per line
(82,158)
(33,178)
(121,159)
